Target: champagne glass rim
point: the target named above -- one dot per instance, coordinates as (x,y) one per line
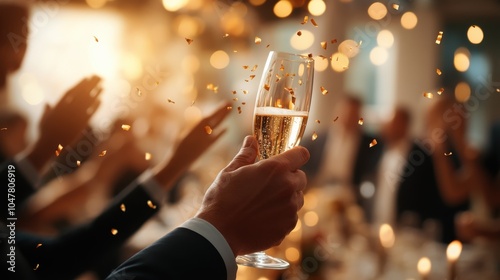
(292,56)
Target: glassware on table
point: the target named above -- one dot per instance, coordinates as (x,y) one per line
(280,118)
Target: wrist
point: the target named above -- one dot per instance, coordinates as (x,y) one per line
(219,225)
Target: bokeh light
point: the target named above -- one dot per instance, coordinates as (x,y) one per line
(316,7)
(302,42)
(409,20)
(257,2)
(462,92)
(385,39)
(283,8)
(219,59)
(174,5)
(96,4)
(475,34)
(339,62)
(377,11)
(379,56)
(320,63)
(461,60)
(349,48)
(131,66)
(292,254)
(311,218)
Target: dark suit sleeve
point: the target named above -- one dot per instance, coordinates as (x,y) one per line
(75,251)
(181,254)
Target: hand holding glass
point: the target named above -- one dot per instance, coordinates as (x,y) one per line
(280,118)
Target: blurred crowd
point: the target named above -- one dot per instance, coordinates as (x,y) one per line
(437,184)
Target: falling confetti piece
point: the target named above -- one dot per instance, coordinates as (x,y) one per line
(373,143)
(189,41)
(439,37)
(268,45)
(170,101)
(306,18)
(314,136)
(245,92)
(139,92)
(258,40)
(361,121)
(151,204)
(333,41)
(208,129)
(114,231)
(123,208)
(59,149)
(78,163)
(148,156)
(299,33)
(395,7)
(235,99)
(229,107)
(439,72)
(103,153)
(38,245)
(318,121)
(192,103)
(324,45)
(245,67)
(95,38)
(243,103)
(323,91)
(213,87)
(126,127)
(239,110)
(233,92)
(448,154)
(314,22)
(254,68)
(336,119)
(225,35)
(440,91)
(428,95)
(267,87)
(36,266)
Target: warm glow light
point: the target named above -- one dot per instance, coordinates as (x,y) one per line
(461,59)
(320,63)
(131,66)
(190,64)
(379,56)
(96,4)
(367,189)
(424,266)
(292,254)
(385,38)
(303,42)
(475,34)
(386,235)
(340,62)
(377,11)
(409,20)
(219,59)
(232,23)
(174,5)
(188,27)
(462,92)
(316,7)
(311,218)
(349,47)
(283,8)
(257,2)
(32,93)
(310,200)
(454,250)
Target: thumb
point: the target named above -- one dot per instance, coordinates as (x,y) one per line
(245,156)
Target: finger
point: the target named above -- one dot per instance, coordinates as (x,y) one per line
(301,179)
(293,158)
(300,200)
(91,110)
(246,155)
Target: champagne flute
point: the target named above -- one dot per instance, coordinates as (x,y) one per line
(280,118)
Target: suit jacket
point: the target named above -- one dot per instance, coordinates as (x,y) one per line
(73,252)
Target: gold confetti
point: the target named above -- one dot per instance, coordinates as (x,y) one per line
(114,231)
(139,92)
(233,92)
(208,129)
(439,72)
(170,101)
(235,99)
(123,208)
(267,87)
(38,245)
(213,87)
(192,103)
(336,119)
(439,37)
(125,127)
(448,154)
(324,45)
(229,107)
(373,143)
(323,91)
(258,40)
(314,22)
(78,163)
(318,121)
(243,103)
(189,41)
(268,45)
(95,38)
(440,91)
(300,82)
(239,110)
(361,121)
(59,149)
(333,41)
(428,95)
(306,18)
(225,35)
(395,7)
(314,136)
(151,205)
(254,68)
(299,33)
(245,67)
(498,89)
(245,92)
(148,156)
(103,153)
(36,266)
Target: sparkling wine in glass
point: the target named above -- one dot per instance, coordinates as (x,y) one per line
(280,118)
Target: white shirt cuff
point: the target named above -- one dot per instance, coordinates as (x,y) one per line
(26,167)
(209,232)
(151,186)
